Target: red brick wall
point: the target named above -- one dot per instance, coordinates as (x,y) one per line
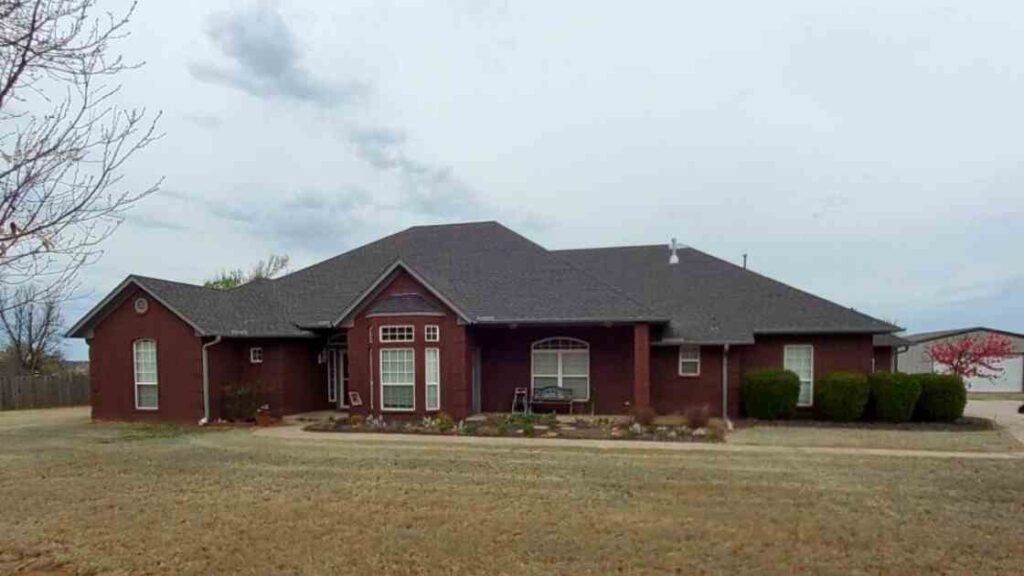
(111,366)
(505,359)
(672,393)
(289,378)
(364,355)
(833,352)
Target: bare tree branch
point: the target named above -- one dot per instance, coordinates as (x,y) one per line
(61,160)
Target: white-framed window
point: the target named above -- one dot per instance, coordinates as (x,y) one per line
(397,379)
(256,355)
(432,369)
(397,333)
(432,333)
(800,360)
(689,360)
(562,362)
(144,365)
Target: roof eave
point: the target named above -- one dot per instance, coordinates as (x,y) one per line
(79,329)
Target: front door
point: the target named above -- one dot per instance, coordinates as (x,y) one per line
(337,377)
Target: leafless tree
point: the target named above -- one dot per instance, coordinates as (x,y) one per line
(31,323)
(63,140)
(264,269)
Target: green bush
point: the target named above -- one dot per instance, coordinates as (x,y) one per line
(239,402)
(770,393)
(893,396)
(943,397)
(841,396)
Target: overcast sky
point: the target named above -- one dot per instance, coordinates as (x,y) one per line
(869,152)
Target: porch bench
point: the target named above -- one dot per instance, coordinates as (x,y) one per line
(552,395)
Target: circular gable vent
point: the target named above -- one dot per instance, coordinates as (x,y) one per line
(141,305)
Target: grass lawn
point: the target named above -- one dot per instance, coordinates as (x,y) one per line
(996,440)
(101,498)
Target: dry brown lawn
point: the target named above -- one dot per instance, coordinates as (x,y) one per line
(997,440)
(89,498)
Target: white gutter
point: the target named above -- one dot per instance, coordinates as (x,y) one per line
(725,386)
(206,381)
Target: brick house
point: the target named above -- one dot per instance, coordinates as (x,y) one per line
(454,318)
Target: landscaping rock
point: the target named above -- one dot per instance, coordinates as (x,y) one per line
(699,432)
(617,433)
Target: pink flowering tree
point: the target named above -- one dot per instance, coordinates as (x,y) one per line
(972,357)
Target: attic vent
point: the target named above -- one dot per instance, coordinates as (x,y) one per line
(673,257)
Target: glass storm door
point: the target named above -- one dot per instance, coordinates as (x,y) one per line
(337,377)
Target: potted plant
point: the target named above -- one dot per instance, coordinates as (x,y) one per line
(263,417)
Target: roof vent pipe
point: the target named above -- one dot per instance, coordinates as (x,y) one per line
(673,258)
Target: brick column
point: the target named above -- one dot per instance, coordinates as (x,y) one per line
(641,366)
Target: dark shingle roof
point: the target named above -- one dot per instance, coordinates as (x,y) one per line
(405,304)
(890,340)
(711,300)
(490,274)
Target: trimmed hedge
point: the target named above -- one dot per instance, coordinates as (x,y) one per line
(893,396)
(943,397)
(841,396)
(770,393)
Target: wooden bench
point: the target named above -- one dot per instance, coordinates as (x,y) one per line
(552,395)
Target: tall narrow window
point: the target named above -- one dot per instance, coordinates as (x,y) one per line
(144,362)
(256,355)
(689,360)
(562,362)
(800,360)
(397,379)
(432,367)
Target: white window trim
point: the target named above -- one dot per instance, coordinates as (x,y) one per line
(135,375)
(380,375)
(410,327)
(690,360)
(426,333)
(785,352)
(559,352)
(426,379)
(253,353)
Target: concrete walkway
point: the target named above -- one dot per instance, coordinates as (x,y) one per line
(295,432)
(1003,412)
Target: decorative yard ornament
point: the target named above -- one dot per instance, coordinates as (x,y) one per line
(972,357)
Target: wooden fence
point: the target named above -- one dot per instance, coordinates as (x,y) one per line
(27,391)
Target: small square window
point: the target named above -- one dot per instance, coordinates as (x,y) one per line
(689,360)
(256,355)
(396,333)
(432,333)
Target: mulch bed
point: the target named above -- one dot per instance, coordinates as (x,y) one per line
(531,426)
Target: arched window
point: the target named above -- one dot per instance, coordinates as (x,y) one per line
(144,365)
(564,363)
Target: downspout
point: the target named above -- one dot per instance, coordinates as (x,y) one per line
(725,386)
(206,380)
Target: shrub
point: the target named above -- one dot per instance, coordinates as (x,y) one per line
(770,393)
(444,422)
(356,419)
(841,396)
(644,416)
(943,397)
(698,416)
(893,396)
(528,429)
(240,401)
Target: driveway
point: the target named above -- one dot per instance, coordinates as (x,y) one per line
(1004,412)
